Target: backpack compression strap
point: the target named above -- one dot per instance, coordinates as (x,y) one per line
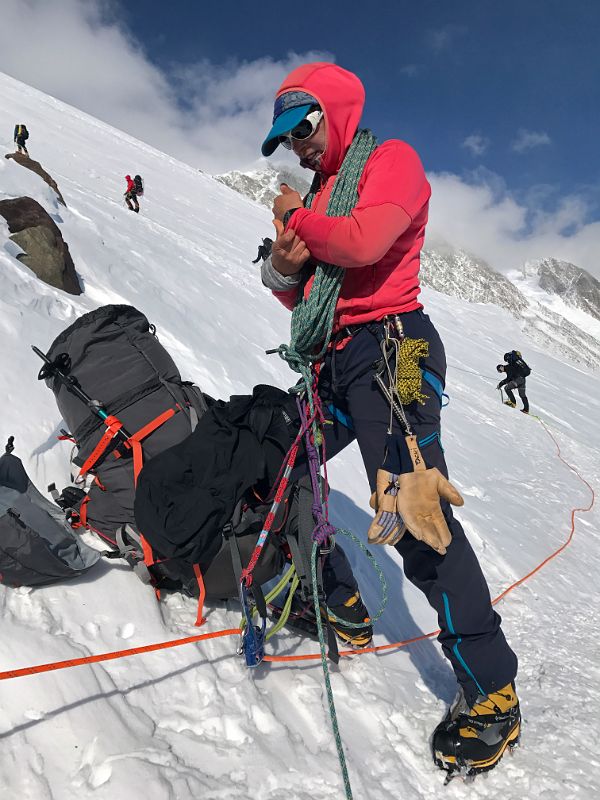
(113,425)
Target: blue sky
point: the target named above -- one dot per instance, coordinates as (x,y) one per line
(512,87)
(501,99)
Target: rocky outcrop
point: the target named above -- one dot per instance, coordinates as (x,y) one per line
(36,167)
(45,251)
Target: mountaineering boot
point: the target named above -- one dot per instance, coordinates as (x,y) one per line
(509,403)
(473,739)
(353,611)
(302,619)
(524,411)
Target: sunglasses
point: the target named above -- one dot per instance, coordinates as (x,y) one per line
(303,130)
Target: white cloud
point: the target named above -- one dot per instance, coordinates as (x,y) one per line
(485,219)
(214,117)
(476,143)
(410,70)
(527,140)
(441,39)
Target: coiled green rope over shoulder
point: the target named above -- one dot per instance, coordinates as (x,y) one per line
(312,318)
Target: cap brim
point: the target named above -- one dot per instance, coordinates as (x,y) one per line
(284,123)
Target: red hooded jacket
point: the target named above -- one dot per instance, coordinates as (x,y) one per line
(380,243)
(130,183)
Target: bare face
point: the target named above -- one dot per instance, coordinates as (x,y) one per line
(310,151)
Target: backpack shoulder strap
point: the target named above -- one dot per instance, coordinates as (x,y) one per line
(300,540)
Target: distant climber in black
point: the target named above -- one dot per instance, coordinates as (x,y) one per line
(264,250)
(135,189)
(21,135)
(516,371)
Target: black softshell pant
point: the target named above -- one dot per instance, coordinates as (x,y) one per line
(519,385)
(454,584)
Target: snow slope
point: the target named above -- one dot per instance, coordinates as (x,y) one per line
(194,722)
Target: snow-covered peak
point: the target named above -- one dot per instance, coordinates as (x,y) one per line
(573,284)
(262,184)
(455,272)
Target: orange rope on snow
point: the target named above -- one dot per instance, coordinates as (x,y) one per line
(573,512)
(76,662)
(133,651)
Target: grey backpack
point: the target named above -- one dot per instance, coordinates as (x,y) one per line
(113,355)
(37,545)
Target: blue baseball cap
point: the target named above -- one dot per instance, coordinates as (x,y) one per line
(290,109)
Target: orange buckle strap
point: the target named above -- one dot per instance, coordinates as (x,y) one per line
(200,620)
(113,425)
(136,439)
(82,514)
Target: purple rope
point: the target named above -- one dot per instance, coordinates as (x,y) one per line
(323,528)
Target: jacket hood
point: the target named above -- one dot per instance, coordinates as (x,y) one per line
(341,95)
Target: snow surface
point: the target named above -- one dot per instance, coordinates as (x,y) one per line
(194,721)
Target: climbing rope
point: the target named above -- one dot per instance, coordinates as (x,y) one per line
(325,665)
(312,317)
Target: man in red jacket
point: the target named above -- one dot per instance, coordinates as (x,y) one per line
(317,111)
(131,195)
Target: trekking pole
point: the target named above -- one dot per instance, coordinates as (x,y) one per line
(59,369)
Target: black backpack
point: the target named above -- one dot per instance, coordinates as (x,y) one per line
(37,545)
(515,359)
(139,186)
(202,504)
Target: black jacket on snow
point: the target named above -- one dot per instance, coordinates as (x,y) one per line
(187,494)
(21,132)
(513,373)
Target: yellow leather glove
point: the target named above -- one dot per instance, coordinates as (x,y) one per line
(418,501)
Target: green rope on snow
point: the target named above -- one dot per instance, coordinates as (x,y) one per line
(333,617)
(328,689)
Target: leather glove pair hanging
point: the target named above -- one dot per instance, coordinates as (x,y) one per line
(411,500)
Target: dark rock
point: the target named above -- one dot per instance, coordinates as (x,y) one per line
(36,167)
(46,252)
